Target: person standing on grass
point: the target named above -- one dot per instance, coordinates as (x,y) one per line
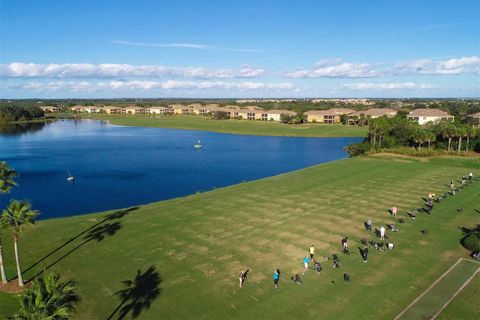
(452,187)
(312,252)
(382,232)
(369,224)
(276,278)
(470,176)
(394,211)
(243,277)
(305,262)
(365,254)
(345,245)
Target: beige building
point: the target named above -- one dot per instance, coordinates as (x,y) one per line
(474,118)
(91,109)
(78,108)
(113,110)
(371,114)
(276,114)
(160,110)
(327,116)
(424,116)
(136,110)
(181,109)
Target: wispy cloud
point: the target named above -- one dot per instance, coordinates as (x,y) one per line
(147,85)
(336,68)
(387,86)
(87,70)
(184,45)
(454,66)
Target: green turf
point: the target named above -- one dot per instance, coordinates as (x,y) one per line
(265,128)
(466,305)
(433,300)
(199,244)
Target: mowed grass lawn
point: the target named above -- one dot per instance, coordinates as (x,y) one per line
(199,244)
(265,128)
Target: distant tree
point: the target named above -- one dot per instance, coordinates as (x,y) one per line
(48,298)
(16,216)
(220,115)
(471,132)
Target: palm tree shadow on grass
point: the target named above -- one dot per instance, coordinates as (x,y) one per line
(109,217)
(99,233)
(138,294)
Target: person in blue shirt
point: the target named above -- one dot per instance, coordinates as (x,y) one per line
(276,278)
(305,262)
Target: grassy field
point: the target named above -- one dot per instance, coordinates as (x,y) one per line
(265,128)
(461,306)
(431,302)
(197,245)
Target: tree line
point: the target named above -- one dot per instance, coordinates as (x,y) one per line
(399,132)
(12,112)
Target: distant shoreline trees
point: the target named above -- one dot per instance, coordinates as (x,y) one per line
(399,132)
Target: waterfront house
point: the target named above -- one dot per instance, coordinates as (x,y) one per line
(180,109)
(474,119)
(78,108)
(136,110)
(160,110)
(276,114)
(91,109)
(327,116)
(113,110)
(424,116)
(373,113)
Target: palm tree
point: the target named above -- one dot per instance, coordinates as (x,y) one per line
(430,137)
(419,137)
(449,131)
(6,177)
(471,132)
(16,216)
(461,133)
(48,298)
(6,183)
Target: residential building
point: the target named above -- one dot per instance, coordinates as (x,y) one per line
(424,116)
(113,110)
(160,110)
(474,118)
(371,114)
(136,110)
(91,109)
(180,109)
(327,116)
(275,114)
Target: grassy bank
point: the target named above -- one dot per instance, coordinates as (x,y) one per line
(265,128)
(199,244)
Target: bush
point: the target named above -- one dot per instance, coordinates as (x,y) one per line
(472,242)
(357,149)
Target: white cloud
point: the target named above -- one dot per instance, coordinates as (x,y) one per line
(387,86)
(115,85)
(336,68)
(183,45)
(454,66)
(75,70)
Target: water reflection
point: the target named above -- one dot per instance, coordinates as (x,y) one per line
(16,129)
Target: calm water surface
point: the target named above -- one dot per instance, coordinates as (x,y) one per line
(117,166)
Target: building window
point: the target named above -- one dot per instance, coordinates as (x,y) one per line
(264,117)
(250,116)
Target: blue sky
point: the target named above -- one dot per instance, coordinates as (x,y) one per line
(377,48)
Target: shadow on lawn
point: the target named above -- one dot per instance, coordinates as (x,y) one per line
(109,217)
(98,233)
(138,294)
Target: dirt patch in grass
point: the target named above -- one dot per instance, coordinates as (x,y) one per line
(12,287)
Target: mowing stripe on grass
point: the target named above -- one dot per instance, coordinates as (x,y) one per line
(433,300)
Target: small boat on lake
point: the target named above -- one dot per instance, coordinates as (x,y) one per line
(70,178)
(198,145)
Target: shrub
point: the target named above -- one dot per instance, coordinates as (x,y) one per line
(472,242)
(357,149)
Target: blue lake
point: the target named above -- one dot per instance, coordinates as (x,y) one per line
(116,167)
